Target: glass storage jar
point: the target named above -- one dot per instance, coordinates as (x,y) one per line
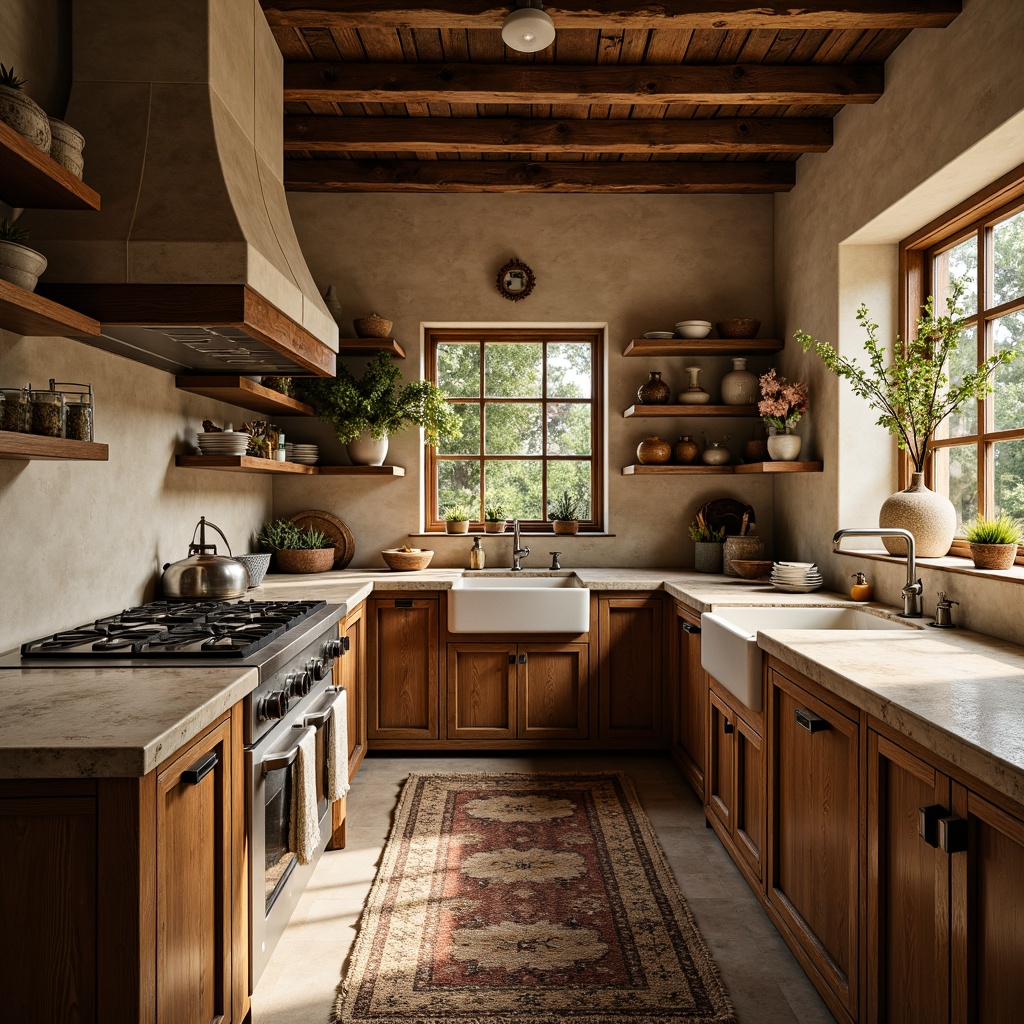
(15,410)
(78,409)
(47,413)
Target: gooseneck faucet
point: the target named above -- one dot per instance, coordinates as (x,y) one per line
(913,590)
(518,551)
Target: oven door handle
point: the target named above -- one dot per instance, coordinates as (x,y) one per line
(282,758)
(319,718)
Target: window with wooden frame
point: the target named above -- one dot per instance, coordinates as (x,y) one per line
(529,404)
(978,456)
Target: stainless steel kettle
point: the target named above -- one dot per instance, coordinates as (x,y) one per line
(204,576)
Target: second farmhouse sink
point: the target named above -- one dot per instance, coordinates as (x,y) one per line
(729,651)
(518,604)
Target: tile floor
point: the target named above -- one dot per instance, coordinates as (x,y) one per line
(763,979)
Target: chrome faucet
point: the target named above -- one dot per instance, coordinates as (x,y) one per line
(913,591)
(518,551)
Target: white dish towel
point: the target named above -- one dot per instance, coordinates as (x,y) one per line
(337,753)
(304,823)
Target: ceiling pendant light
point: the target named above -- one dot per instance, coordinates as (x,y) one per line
(528,29)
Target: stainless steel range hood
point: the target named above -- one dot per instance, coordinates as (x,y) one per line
(192,264)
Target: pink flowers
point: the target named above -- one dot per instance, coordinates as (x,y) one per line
(782,402)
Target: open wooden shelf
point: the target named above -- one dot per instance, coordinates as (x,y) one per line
(689,410)
(369,347)
(33,316)
(251,464)
(362,471)
(245,393)
(31,178)
(34,446)
(704,347)
(779,467)
(702,470)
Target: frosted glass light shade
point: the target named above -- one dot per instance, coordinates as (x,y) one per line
(528,30)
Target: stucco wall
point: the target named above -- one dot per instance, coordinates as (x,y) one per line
(948,123)
(637,263)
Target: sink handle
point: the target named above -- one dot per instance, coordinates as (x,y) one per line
(810,721)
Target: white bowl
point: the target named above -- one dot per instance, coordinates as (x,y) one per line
(694,323)
(693,331)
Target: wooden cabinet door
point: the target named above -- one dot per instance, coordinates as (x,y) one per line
(630,641)
(720,781)
(553,682)
(402,669)
(987,920)
(749,810)
(482,691)
(350,672)
(690,708)
(194,880)
(813,804)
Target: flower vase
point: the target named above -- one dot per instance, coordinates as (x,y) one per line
(930,517)
(654,391)
(784,447)
(694,393)
(739,385)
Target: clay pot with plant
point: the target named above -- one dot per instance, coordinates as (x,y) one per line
(21,112)
(18,263)
(564,513)
(993,542)
(708,544)
(456,518)
(297,549)
(495,519)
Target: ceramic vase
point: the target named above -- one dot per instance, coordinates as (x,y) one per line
(930,517)
(333,303)
(694,393)
(66,145)
(654,391)
(707,555)
(784,447)
(653,451)
(684,451)
(366,450)
(25,116)
(739,385)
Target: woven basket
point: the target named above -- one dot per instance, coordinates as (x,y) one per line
(372,326)
(406,561)
(738,327)
(993,556)
(313,560)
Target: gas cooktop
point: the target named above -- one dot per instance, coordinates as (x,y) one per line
(169,629)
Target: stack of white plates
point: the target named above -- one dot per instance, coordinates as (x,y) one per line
(659,335)
(306,454)
(796,577)
(223,442)
(693,328)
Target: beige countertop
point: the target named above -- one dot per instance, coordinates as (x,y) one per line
(108,722)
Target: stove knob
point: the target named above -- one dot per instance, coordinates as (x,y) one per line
(275,705)
(333,649)
(317,667)
(298,683)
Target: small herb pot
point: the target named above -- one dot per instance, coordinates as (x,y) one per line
(304,561)
(457,526)
(495,525)
(566,526)
(993,556)
(707,555)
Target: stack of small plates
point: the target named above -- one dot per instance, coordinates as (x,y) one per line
(306,454)
(659,335)
(796,577)
(223,442)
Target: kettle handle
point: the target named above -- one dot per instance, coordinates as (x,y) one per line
(198,549)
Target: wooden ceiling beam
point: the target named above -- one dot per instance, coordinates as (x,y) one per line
(521,176)
(590,14)
(513,135)
(713,84)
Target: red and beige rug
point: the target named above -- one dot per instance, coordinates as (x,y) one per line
(509,899)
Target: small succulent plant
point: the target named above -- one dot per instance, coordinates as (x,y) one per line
(9,78)
(10,233)
(565,508)
(496,513)
(284,535)
(1003,530)
(455,514)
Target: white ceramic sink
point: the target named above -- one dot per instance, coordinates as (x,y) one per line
(728,642)
(518,604)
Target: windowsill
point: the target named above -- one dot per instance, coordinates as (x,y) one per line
(522,533)
(950,563)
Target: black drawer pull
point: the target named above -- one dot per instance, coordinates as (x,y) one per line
(522,659)
(953,834)
(511,659)
(403,602)
(810,721)
(346,644)
(199,771)
(928,823)
(689,627)
(727,726)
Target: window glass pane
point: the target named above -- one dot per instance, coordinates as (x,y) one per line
(1008,333)
(569,370)
(458,483)
(512,428)
(568,428)
(458,369)
(1009,478)
(959,263)
(517,485)
(513,370)
(469,443)
(1008,251)
(956,475)
(573,476)
(963,359)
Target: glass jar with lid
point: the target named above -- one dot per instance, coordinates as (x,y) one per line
(78,406)
(15,410)
(47,413)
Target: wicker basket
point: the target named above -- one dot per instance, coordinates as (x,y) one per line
(406,561)
(738,327)
(312,560)
(372,326)
(993,556)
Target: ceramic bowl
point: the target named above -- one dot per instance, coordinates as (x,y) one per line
(693,330)
(752,569)
(256,566)
(738,327)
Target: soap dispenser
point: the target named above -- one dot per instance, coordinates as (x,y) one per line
(476,555)
(861,589)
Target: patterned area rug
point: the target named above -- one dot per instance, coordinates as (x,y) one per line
(509,899)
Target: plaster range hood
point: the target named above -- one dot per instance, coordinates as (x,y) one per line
(192,264)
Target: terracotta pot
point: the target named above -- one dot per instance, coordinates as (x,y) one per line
(684,451)
(366,450)
(653,451)
(993,556)
(784,447)
(457,526)
(654,391)
(312,560)
(495,525)
(25,116)
(930,517)
(566,526)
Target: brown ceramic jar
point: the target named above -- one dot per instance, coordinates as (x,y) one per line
(654,391)
(684,451)
(653,451)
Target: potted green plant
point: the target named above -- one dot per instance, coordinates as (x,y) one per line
(495,519)
(456,518)
(21,112)
(993,542)
(18,263)
(912,396)
(364,411)
(708,544)
(564,512)
(296,548)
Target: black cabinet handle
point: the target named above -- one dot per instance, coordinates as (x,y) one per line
(522,659)
(810,721)
(928,823)
(403,602)
(200,769)
(953,834)
(727,726)
(511,659)
(689,627)
(346,644)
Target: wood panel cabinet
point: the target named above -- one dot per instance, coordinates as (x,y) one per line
(350,673)
(482,691)
(690,700)
(720,779)
(402,673)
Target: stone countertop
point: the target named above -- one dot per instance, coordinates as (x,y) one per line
(108,722)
